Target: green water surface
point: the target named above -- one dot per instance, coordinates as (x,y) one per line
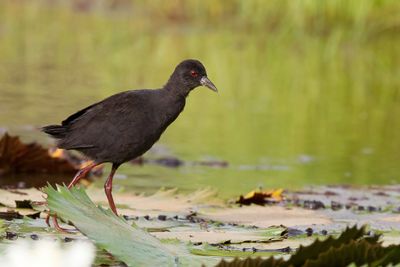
(309,92)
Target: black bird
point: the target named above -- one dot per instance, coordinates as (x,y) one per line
(126,125)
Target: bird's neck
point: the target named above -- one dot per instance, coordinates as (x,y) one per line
(176,88)
(172,104)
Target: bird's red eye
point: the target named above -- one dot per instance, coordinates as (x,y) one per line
(194,73)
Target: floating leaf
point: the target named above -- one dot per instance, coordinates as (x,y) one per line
(208,250)
(244,247)
(14,198)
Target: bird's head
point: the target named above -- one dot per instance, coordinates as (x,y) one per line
(188,75)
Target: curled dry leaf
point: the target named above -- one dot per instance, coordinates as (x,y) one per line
(17,157)
(261,197)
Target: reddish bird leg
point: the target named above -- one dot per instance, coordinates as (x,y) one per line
(108,188)
(82,173)
(78,176)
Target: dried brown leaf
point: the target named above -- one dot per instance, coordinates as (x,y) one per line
(17,157)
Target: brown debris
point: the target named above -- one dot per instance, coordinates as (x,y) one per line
(10,215)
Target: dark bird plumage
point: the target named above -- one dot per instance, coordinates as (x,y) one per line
(126,125)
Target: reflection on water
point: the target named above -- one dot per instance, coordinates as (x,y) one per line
(294,108)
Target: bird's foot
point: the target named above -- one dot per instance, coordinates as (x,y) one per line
(56,225)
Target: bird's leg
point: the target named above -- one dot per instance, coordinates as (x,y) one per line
(55,222)
(78,176)
(108,188)
(82,173)
(57,226)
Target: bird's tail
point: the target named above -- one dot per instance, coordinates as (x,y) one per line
(56,131)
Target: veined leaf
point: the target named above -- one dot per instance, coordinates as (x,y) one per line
(128,243)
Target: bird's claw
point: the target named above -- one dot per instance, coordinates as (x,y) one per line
(56,225)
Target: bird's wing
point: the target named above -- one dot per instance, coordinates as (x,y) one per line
(100,124)
(60,131)
(97,109)
(78,114)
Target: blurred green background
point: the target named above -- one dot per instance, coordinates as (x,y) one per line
(309,90)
